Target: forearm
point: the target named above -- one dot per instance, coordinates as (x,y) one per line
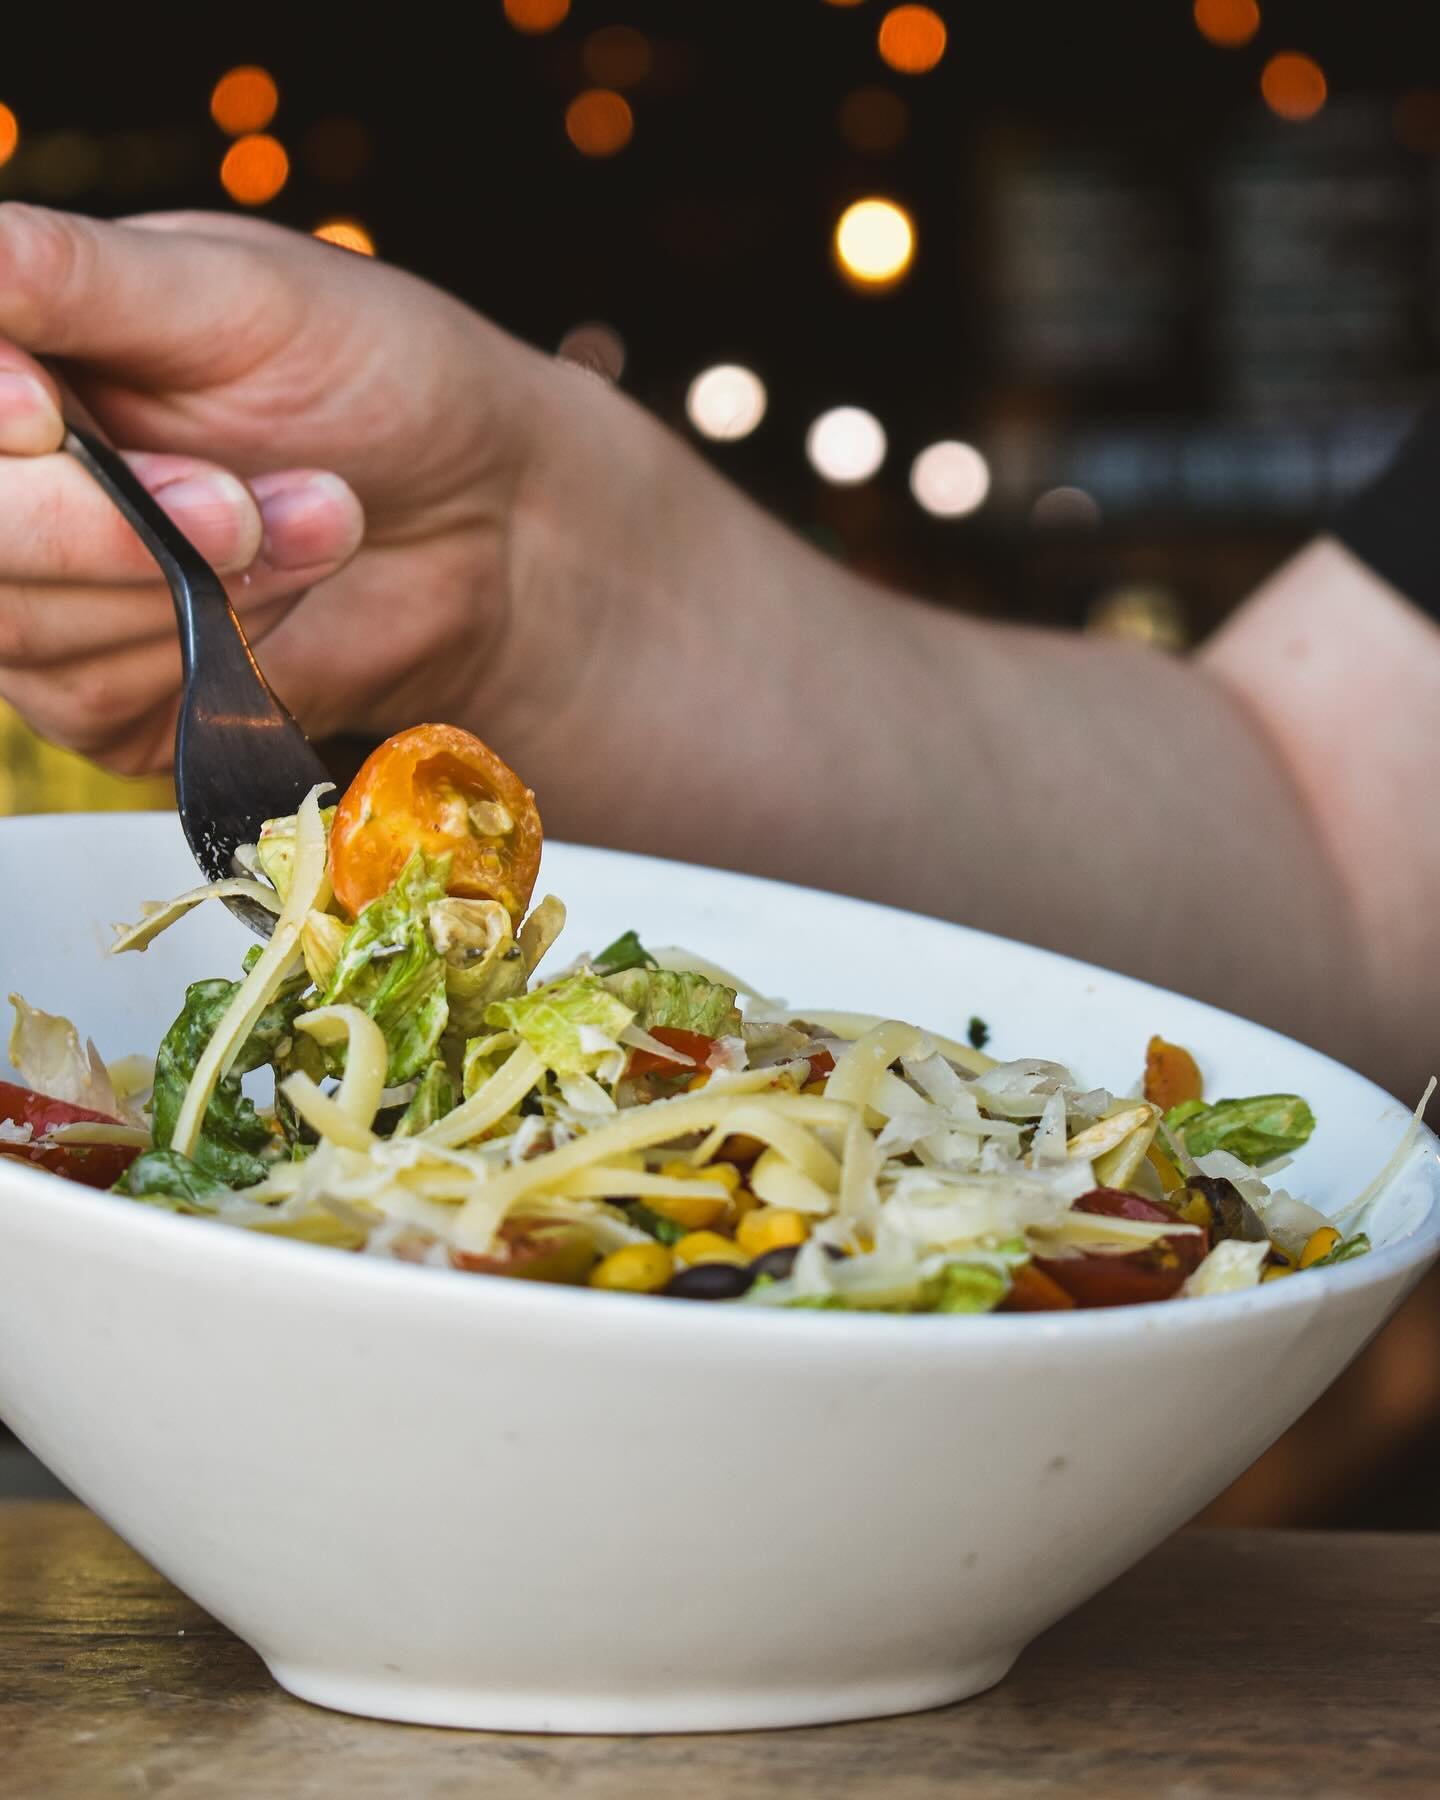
(744,701)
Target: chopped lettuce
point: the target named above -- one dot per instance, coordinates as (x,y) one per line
(1347,1248)
(388,966)
(432,1099)
(561,1020)
(167,1175)
(1257,1130)
(962,1287)
(234,1139)
(275,851)
(627,952)
(679,999)
(483,960)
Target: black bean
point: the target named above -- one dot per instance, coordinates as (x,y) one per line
(777,1264)
(710,1281)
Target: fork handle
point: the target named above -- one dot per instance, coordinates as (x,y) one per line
(212,641)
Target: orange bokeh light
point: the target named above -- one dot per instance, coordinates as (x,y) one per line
(1227,23)
(255,169)
(347,234)
(244,100)
(912,39)
(9,133)
(599,122)
(536,16)
(1293,85)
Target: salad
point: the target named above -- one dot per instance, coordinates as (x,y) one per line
(639,1120)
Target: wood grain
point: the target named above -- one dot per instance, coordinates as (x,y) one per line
(1229,1663)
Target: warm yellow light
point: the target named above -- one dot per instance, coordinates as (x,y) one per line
(255,169)
(912,39)
(347,234)
(1227,23)
(536,16)
(617,56)
(599,122)
(874,242)
(1293,85)
(9,133)
(244,100)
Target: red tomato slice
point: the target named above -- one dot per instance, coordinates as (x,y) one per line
(822,1063)
(1033,1291)
(438,789)
(96,1165)
(1154,1273)
(693,1044)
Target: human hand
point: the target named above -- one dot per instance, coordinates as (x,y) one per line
(341,440)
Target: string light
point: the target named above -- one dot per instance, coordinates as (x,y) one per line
(874,242)
(950,479)
(1228,24)
(912,39)
(726,402)
(1294,86)
(599,122)
(535,17)
(255,169)
(846,445)
(244,100)
(347,234)
(9,133)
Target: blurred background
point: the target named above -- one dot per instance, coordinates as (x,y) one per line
(1082,314)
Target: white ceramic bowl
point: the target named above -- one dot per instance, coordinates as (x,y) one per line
(436,1497)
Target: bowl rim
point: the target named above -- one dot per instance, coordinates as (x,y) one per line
(535,1299)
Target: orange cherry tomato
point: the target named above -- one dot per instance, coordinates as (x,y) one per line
(438,789)
(693,1044)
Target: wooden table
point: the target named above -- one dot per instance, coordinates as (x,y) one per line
(1287,1663)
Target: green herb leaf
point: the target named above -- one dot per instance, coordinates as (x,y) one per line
(627,952)
(1347,1248)
(167,1175)
(978,1032)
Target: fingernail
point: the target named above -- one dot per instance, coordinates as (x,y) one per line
(29,422)
(310,520)
(214,512)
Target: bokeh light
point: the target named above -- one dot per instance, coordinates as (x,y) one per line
(349,234)
(617,56)
(536,16)
(244,100)
(9,133)
(59,165)
(599,122)
(1227,23)
(874,120)
(1141,613)
(594,346)
(336,149)
(255,169)
(874,242)
(950,479)
(1294,86)
(726,402)
(912,39)
(1065,509)
(846,445)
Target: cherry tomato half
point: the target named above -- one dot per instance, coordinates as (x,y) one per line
(1154,1273)
(693,1044)
(96,1165)
(438,789)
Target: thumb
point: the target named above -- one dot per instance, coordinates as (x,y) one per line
(167,307)
(30,422)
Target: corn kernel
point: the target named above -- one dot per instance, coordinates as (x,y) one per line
(634,1269)
(708,1246)
(1319,1243)
(1277,1271)
(814,1087)
(726,1174)
(693,1211)
(770,1228)
(696,1082)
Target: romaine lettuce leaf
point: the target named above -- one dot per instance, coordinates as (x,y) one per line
(483,961)
(234,1139)
(1257,1130)
(275,851)
(553,1019)
(434,1097)
(680,999)
(389,967)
